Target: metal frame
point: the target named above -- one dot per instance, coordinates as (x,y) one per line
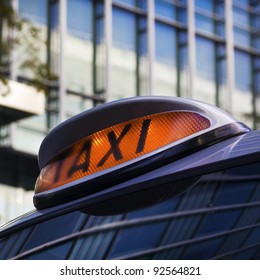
(151,46)
(230,54)
(191,48)
(62,68)
(108,46)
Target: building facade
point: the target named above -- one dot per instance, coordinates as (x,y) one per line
(105,50)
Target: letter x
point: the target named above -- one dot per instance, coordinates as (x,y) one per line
(114,145)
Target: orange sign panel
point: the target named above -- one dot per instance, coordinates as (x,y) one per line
(118,144)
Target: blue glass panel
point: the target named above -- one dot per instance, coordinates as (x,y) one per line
(204,24)
(234,193)
(14,243)
(242,37)
(34,10)
(79,15)
(165,9)
(202,250)
(245,255)
(122,21)
(135,3)
(54,15)
(204,4)
(182,16)
(233,242)
(165,43)
(205,58)
(56,228)
(181,229)
(145,236)
(142,36)
(220,8)
(253,238)
(218,222)
(143,44)
(256,43)
(56,253)
(257,255)
(241,17)
(92,247)
(241,1)
(173,254)
(136,239)
(2,242)
(129,2)
(243,71)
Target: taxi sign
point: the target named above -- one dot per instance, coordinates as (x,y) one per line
(118,144)
(132,143)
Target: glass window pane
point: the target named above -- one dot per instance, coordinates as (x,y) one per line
(173,254)
(204,23)
(234,193)
(34,10)
(135,3)
(79,18)
(85,50)
(241,17)
(56,228)
(165,44)
(205,86)
(122,21)
(202,250)
(12,245)
(245,255)
(218,222)
(166,59)
(233,242)
(205,58)
(56,253)
(243,74)
(143,237)
(165,8)
(243,83)
(132,240)
(204,4)
(242,37)
(253,238)
(94,247)
(128,55)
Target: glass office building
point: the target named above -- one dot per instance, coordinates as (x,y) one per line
(106,50)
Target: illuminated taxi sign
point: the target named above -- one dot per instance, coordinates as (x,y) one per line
(118,141)
(118,144)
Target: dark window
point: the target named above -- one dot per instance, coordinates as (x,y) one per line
(253,238)
(202,250)
(12,245)
(56,228)
(246,254)
(234,193)
(218,222)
